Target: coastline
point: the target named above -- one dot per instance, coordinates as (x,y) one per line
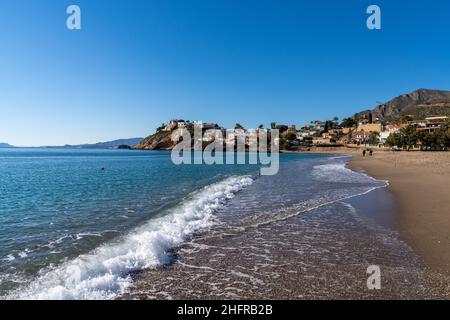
(274,241)
(327,251)
(419,182)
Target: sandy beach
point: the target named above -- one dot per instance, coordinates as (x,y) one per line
(420,183)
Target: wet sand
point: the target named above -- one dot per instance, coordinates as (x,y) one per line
(420,182)
(323,254)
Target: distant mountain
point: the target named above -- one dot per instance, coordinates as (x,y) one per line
(106,145)
(5,145)
(418,104)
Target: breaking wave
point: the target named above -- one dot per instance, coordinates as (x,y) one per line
(104,273)
(338,172)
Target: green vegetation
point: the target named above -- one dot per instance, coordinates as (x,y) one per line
(374,139)
(330,125)
(405,118)
(291,136)
(285,144)
(409,137)
(405,138)
(437,140)
(348,123)
(160,128)
(281,127)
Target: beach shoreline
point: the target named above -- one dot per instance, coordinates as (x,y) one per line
(310,224)
(419,182)
(327,250)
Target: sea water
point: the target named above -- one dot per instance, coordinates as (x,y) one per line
(76,224)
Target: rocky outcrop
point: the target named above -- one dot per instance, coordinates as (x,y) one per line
(159,141)
(162,139)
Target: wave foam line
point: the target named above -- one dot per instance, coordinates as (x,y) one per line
(104,272)
(310,205)
(328,168)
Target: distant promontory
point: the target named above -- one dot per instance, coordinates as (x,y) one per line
(5,145)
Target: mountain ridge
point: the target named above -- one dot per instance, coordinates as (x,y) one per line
(113,144)
(417,104)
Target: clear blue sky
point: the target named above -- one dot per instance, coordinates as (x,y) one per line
(136,64)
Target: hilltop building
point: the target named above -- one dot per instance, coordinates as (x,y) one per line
(174,124)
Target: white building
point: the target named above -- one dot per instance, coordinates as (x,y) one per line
(388,130)
(174,124)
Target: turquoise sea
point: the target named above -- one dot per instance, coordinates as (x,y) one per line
(74,224)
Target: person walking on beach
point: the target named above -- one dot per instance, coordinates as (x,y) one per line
(364,152)
(371,152)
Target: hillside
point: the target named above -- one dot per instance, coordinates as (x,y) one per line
(162,140)
(418,104)
(5,145)
(158,141)
(113,144)
(105,145)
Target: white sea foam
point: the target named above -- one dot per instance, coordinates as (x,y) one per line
(104,272)
(10,257)
(338,172)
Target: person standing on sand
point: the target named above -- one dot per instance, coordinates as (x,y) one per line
(371,152)
(364,152)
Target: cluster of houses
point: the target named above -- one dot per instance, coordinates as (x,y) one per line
(363,132)
(318,134)
(207,136)
(330,133)
(180,124)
